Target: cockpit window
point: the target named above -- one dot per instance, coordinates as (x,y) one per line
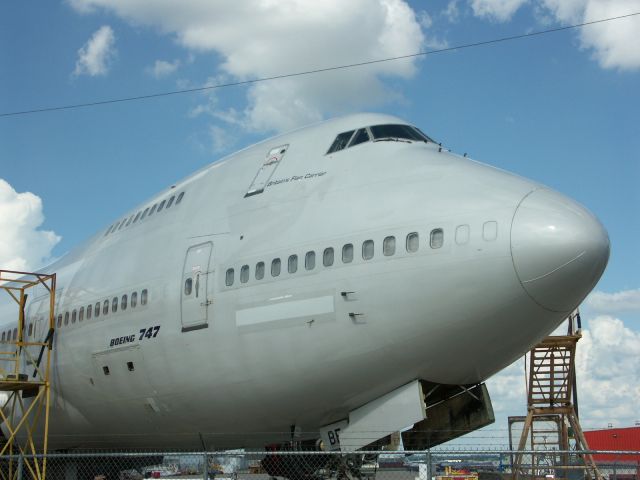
(380,133)
(341,141)
(427,137)
(361,136)
(397,132)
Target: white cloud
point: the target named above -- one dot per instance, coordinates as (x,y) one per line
(500,10)
(430,41)
(221,139)
(162,68)
(623,301)
(257,38)
(22,245)
(608,373)
(95,56)
(608,368)
(507,389)
(425,19)
(613,44)
(452,12)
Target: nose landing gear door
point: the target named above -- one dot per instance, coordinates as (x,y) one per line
(195,295)
(267,169)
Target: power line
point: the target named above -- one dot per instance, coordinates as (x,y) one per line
(310,72)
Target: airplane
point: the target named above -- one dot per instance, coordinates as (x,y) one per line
(340,282)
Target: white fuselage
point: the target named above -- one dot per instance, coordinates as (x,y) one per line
(241,363)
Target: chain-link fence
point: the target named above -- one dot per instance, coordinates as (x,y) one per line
(304,465)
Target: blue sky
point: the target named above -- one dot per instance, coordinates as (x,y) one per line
(563,109)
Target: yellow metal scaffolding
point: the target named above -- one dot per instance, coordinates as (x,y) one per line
(551,392)
(25,363)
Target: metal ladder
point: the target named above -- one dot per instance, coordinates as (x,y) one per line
(551,389)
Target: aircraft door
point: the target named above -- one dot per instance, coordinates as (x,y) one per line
(267,169)
(194,294)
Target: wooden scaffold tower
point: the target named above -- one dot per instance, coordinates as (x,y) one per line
(551,414)
(25,361)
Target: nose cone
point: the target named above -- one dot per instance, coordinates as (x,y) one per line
(559,249)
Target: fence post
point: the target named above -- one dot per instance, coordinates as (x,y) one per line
(20,462)
(429,466)
(205,467)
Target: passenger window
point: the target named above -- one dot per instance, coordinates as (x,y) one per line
(144,214)
(15,333)
(108,230)
(389,246)
(367,249)
(292,264)
(259,270)
(122,224)
(81,314)
(137,217)
(170,201)
(105,307)
(30,329)
(3,336)
(413,242)
(340,142)
(310,260)
(179,199)
(59,320)
(347,253)
(490,231)
(66,318)
(462,234)
(134,299)
(114,304)
(130,220)
(144,297)
(89,311)
(275,267)
(228,279)
(437,238)
(153,209)
(96,312)
(123,302)
(74,316)
(161,206)
(327,257)
(244,274)
(361,136)
(188,286)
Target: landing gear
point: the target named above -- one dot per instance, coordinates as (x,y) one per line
(350,467)
(321,466)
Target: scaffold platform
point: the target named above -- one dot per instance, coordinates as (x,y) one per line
(551,411)
(25,364)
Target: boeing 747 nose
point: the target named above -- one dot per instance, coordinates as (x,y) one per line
(559,249)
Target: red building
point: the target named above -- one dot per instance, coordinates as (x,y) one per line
(627,439)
